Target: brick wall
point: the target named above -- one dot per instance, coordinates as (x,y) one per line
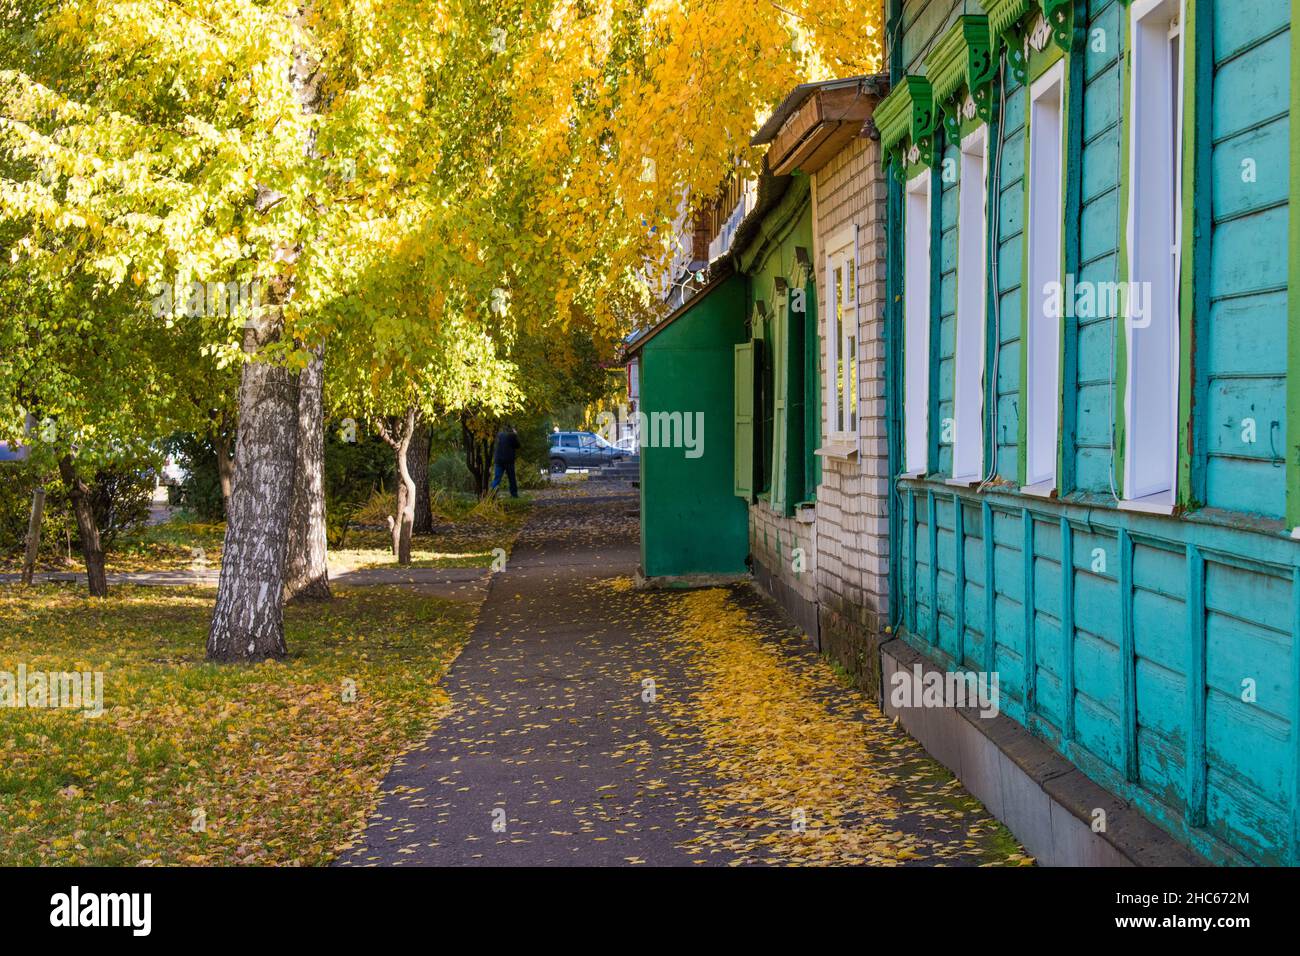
(851,562)
(784,572)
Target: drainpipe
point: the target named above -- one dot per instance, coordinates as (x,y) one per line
(893,291)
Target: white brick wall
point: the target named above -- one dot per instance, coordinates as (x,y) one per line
(844,586)
(772,540)
(852,500)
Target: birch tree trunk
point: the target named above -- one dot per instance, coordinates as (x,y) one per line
(87,530)
(248,619)
(306,573)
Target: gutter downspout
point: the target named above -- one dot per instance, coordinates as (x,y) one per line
(893,295)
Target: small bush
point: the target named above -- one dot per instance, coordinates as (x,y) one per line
(449,473)
(377,510)
(200,491)
(120,497)
(353,472)
(531,476)
(489,509)
(17,482)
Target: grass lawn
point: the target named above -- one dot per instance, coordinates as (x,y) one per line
(271,758)
(466,532)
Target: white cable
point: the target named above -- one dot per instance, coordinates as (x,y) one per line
(995,190)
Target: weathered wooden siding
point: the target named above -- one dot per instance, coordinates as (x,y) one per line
(946,331)
(1125,639)
(1097,618)
(1101,223)
(1248,264)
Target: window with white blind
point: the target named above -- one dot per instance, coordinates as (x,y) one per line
(916,326)
(842,338)
(1043,331)
(972,296)
(1151,326)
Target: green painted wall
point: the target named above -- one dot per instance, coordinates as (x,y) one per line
(691,520)
(769,257)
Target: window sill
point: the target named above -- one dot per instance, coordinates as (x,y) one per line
(1161,503)
(1043,489)
(838,448)
(969,481)
(805,512)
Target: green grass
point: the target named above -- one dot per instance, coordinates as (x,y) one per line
(467,531)
(179,544)
(467,541)
(280,765)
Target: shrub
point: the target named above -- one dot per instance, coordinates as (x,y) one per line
(449,473)
(120,497)
(531,476)
(376,510)
(354,472)
(17,482)
(200,491)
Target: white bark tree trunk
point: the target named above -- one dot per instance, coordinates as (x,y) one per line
(248,619)
(306,572)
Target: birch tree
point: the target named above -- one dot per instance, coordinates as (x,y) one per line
(391,172)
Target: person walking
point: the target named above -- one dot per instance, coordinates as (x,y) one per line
(506,451)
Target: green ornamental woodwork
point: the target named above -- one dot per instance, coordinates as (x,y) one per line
(1010,22)
(963,61)
(1061,16)
(907,119)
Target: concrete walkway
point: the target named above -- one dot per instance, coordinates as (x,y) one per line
(554,750)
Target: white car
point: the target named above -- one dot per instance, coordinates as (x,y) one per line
(172,473)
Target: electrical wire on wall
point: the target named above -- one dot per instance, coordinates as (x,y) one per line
(1114,349)
(995,191)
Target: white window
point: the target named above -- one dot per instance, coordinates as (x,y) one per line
(1151,326)
(916,327)
(1043,332)
(842,338)
(972,298)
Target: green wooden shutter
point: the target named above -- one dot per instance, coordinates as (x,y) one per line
(812,395)
(744,421)
(780,403)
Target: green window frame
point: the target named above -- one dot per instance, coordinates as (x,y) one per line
(743,431)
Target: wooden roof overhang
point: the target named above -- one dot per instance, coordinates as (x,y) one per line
(823,120)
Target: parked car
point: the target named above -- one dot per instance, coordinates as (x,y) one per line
(581,450)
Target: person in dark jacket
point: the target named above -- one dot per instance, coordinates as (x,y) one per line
(504,459)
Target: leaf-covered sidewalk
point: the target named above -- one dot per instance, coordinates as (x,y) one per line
(591,723)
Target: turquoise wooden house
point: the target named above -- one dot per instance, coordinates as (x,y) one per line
(1094,388)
